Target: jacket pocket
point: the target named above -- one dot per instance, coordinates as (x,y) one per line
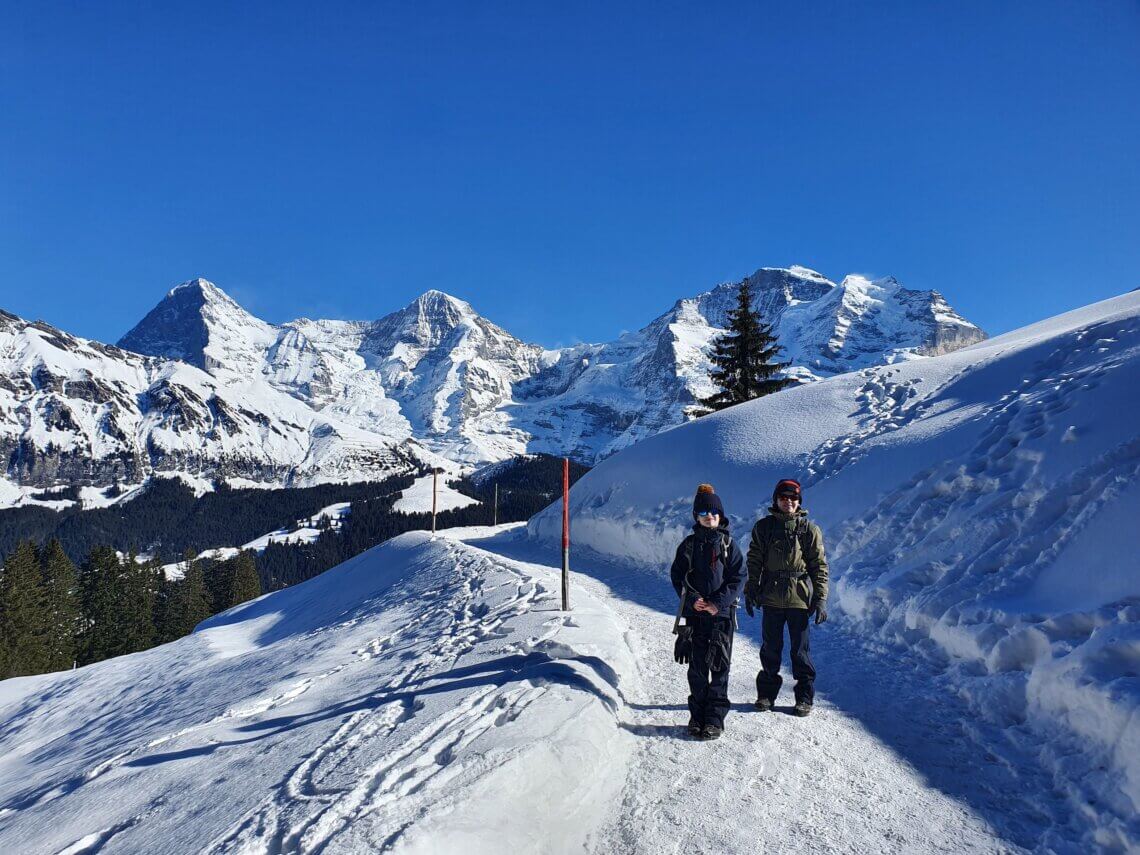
(805,585)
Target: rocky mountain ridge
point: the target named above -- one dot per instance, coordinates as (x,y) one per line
(202,386)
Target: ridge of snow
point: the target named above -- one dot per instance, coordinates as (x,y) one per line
(963,498)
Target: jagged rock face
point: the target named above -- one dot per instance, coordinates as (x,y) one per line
(202,386)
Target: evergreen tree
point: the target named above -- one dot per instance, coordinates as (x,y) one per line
(101,587)
(61,599)
(192,600)
(244,584)
(744,357)
(23,613)
(141,584)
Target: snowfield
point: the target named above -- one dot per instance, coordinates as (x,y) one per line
(429,696)
(424,693)
(979,509)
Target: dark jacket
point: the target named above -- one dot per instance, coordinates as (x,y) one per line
(789,570)
(714,574)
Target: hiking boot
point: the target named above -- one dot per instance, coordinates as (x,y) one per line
(694,730)
(763,705)
(801,709)
(711,731)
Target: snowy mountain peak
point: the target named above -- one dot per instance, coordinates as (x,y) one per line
(198,323)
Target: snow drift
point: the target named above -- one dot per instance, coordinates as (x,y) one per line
(978,506)
(377,706)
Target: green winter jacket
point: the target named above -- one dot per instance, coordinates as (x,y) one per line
(790,571)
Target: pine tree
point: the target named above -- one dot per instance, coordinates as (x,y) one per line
(743,358)
(61,599)
(192,600)
(23,613)
(101,587)
(246,585)
(141,584)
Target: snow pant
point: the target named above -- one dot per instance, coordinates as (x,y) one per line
(768,681)
(708,670)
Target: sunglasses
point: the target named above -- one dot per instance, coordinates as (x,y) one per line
(707,513)
(792,496)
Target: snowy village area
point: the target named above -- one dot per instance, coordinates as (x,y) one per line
(457,428)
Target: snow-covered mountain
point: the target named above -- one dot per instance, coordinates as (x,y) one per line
(979,509)
(75,411)
(977,685)
(345,399)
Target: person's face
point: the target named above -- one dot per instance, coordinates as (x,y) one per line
(787,504)
(709,520)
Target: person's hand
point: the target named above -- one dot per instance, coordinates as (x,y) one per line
(751,596)
(703,605)
(820,613)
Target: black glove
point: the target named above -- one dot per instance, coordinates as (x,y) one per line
(751,596)
(683,646)
(819,611)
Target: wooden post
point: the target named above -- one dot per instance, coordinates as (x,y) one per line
(565,534)
(434,477)
(496,504)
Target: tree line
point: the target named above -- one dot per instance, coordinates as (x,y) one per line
(167,517)
(55,615)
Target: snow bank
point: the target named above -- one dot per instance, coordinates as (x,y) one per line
(378,706)
(978,506)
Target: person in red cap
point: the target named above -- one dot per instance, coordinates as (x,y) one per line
(787,578)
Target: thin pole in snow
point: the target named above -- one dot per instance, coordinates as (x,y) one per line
(434,478)
(565,534)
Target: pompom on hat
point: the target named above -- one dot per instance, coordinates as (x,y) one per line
(707,500)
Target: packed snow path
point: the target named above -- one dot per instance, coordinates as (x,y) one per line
(887,762)
(429,696)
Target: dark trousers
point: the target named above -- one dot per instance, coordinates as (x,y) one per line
(708,686)
(768,681)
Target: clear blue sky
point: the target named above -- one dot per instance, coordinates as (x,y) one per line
(569,169)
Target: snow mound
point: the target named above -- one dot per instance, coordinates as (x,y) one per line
(378,705)
(979,507)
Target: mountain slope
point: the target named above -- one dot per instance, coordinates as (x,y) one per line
(75,411)
(965,500)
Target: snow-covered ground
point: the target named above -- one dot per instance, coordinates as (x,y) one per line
(429,696)
(980,510)
(978,687)
(418,498)
(425,695)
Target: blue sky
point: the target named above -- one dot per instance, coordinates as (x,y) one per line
(570,169)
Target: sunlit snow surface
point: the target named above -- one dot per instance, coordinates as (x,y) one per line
(979,507)
(420,692)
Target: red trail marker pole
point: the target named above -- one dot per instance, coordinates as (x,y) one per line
(434,476)
(565,534)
